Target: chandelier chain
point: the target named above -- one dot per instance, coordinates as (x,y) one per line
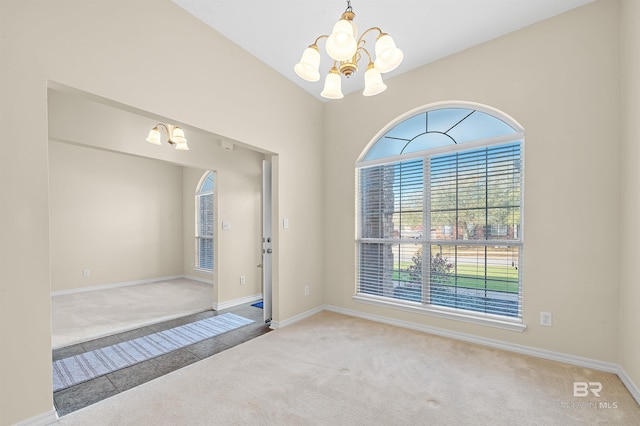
(349,9)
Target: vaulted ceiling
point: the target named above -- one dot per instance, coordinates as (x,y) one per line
(278,31)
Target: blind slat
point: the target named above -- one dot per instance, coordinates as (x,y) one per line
(473,195)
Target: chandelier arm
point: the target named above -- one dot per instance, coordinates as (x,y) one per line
(370,29)
(358,55)
(367,52)
(319,38)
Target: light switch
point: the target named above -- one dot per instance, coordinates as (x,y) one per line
(285,223)
(226,226)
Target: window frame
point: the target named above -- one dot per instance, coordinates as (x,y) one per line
(199,195)
(494,320)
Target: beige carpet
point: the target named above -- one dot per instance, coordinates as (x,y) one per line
(79,317)
(332,369)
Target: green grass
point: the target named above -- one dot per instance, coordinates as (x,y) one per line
(499,278)
(510,286)
(493,271)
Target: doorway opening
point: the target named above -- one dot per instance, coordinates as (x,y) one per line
(123,222)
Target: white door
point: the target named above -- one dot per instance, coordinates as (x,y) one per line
(266,239)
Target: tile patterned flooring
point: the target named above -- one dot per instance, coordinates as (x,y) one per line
(87,393)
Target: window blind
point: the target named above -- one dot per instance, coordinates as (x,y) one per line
(392,227)
(458,213)
(205,225)
(476,194)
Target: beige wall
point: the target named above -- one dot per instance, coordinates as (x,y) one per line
(240,248)
(129,218)
(117,215)
(630,283)
(560,80)
(100,48)
(237,251)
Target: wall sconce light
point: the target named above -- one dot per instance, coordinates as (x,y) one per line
(175,136)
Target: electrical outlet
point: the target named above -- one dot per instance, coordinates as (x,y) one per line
(243,281)
(306,290)
(546,319)
(86,273)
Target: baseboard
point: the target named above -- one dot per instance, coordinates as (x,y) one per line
(236,302)
(43,419)
(280,324)
(498,344)
(633,389)
(124,284)
(199,279)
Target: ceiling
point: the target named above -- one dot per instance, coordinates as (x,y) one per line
(278,31)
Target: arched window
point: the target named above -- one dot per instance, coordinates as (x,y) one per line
(205,224)
(440,215)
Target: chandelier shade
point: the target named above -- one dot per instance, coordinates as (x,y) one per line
(332,85)
(346,48)
(341,44)
(388,56)
(309,64)
(373,84)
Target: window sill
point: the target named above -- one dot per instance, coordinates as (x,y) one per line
(442,312)
(203,271)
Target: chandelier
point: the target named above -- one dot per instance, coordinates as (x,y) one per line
(346,49)
(174,134)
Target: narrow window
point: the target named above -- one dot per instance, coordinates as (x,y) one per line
(204,223)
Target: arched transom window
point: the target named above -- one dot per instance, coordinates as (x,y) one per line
(440,215)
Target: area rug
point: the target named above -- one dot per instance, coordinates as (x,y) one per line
(258,305)
(83,367)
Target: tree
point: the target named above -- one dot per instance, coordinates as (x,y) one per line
(440,269)
(475,190)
